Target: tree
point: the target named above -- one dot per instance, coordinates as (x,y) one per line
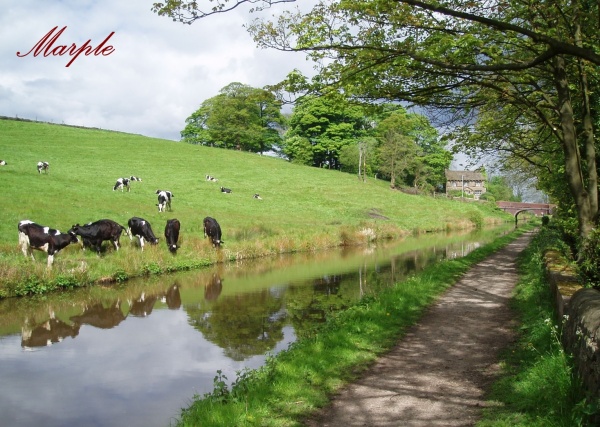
(360,157)
(329,124)
(240,117)
(398,153)
(498,188)
(469,60)
(533,64)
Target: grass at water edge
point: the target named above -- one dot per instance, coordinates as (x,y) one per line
(301,379)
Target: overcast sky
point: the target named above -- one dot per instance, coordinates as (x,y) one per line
(158,74)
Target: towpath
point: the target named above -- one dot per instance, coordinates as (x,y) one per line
(439,373)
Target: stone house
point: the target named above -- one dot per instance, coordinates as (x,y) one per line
(471,184)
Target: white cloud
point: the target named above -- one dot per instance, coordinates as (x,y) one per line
(159,73)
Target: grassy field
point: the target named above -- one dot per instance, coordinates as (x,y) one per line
(303,208)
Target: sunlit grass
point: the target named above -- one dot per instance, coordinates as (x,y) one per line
(537,387)
(303,208)
(303,378)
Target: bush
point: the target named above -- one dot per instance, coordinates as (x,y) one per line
(589,266)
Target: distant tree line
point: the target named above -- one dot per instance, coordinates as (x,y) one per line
(328,132)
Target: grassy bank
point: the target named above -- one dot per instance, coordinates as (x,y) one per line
(537,387)
(302,208)
(302,378)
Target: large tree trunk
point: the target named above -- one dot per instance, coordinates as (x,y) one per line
(573,170)
(588,130)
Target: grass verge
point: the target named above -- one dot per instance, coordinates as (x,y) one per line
(537,385)
(301,379)
(302,208)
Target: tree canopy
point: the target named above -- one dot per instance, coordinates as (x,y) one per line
(515,76)
(239,117)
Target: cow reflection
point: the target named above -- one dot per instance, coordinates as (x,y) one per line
(143,305)
(100,317)
(47,333)
(213,289)
(172,297)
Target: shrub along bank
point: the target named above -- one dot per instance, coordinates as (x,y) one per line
(302,208)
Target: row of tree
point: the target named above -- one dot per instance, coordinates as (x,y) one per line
(330,132)
(518,78)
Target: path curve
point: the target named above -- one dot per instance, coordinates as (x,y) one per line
(438,374)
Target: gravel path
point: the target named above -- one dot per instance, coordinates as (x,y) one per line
(438,374)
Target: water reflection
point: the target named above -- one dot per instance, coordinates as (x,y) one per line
(47,333)
(183,328)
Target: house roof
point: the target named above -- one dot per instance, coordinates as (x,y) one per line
(463,175)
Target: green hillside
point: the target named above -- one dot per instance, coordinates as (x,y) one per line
(302,207)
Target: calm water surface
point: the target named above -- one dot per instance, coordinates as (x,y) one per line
(134,355)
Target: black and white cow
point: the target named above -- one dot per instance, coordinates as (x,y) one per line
(121,184)
(94,233)
(135,178)
(35,236)
(212,229)
(43,166)
(141,228)
(211,178)
(172,234)
(257,196)
(225,190)
(3,163)
(164,199)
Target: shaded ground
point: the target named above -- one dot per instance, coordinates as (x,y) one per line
(439,373)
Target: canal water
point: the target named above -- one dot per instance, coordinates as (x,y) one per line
(136,354)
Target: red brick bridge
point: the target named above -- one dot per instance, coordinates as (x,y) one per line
(515,208)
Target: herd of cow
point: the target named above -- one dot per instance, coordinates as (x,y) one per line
(35,236)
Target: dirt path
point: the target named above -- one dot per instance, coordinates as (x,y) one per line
(439,373)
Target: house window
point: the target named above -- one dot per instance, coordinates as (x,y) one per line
(454,183)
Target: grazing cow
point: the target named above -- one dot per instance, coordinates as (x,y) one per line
(122,183)
(257,196)
(172,234)
(225,190)
(135,178)
(94,233)
(35,236)
(211,178)
(3,163)
(164,200)
(141,228)
(212,229)
(43,166)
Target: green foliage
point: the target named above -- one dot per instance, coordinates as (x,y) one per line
(240,117)
(151,268)
(329,124)
(498,188)
(589,267)
(538,386)
(486,71)
(476,218)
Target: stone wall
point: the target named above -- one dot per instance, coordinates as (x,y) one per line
(581,330)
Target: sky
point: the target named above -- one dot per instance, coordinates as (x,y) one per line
(156,75)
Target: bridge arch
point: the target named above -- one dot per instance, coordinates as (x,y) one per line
(534,211)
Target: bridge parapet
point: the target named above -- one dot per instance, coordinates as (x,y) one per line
(538,209)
